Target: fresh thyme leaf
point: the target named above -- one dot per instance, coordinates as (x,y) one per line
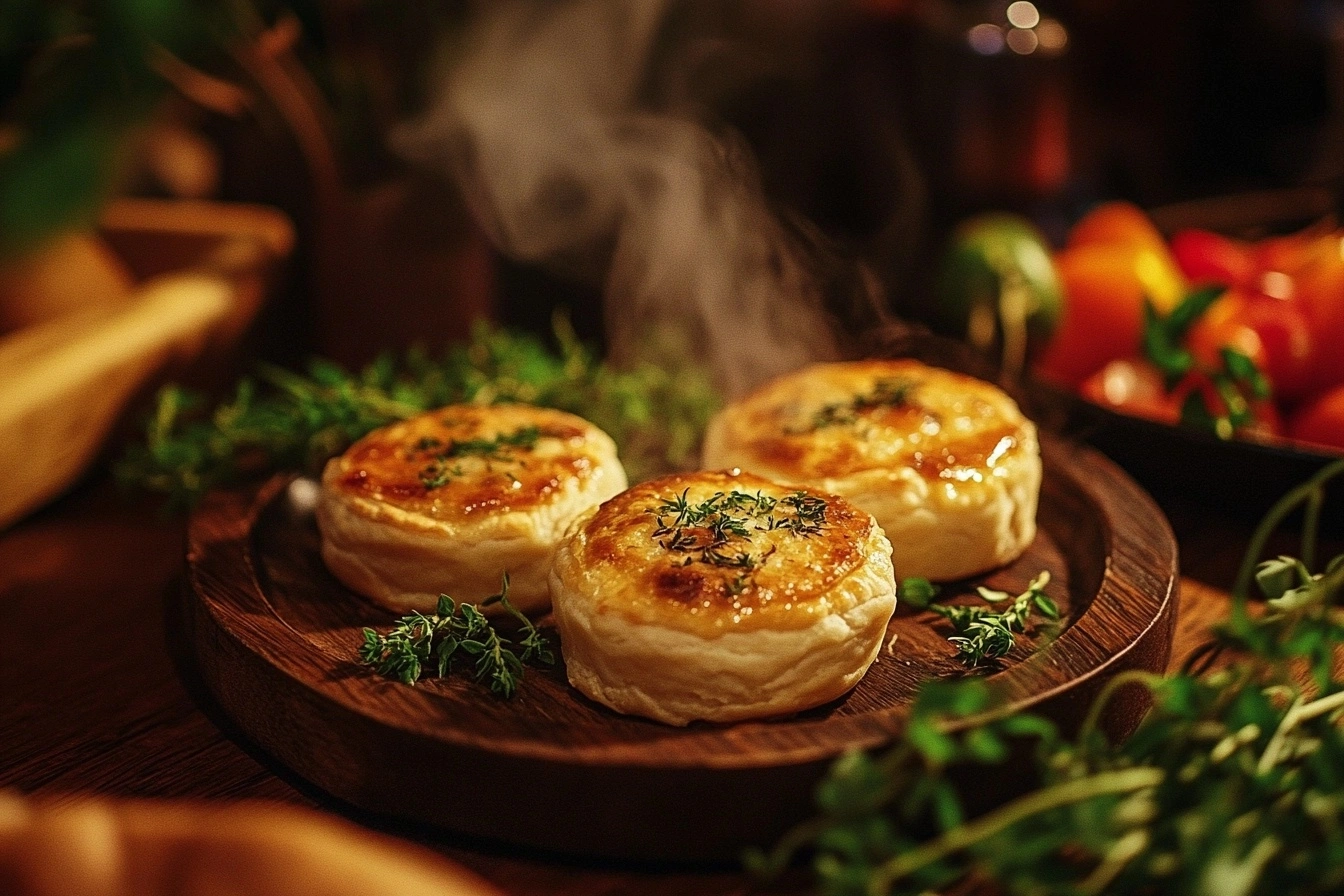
(281,420)
(418,643)
(916,592)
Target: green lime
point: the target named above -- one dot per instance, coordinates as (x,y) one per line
(997,286)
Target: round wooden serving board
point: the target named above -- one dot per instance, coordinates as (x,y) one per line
(277,640)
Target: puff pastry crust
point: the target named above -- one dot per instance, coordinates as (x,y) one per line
(947,463)
(448,501)
(721,596)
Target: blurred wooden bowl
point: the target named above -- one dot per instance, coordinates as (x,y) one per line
(97,317)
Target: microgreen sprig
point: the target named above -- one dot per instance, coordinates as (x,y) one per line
(420,642)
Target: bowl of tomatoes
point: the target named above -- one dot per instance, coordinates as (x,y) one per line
(1200,346)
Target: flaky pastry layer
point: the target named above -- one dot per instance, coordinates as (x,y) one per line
(947,463)
(448,501)
(721,597)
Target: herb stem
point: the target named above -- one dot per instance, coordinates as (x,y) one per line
(1297,713)
(1067,793)
(1311,524)
(1276,515)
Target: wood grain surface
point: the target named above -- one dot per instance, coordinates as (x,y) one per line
(277,638)
(98,696)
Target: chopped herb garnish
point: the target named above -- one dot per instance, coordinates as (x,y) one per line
(420,642)
(886,392)
(706,531)
(437,473)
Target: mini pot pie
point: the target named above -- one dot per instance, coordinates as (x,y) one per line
(448,501)
(945,462)
(721,596)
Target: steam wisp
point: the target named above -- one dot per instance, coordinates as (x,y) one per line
(539,120)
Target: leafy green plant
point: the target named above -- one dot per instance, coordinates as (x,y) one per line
(76,81)
(281,420)
(1233,784)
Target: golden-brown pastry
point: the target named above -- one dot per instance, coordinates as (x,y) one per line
(721,596)
(945,462)
(448,501)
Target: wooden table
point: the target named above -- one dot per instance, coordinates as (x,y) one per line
(97,694)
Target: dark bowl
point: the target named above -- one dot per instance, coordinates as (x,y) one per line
(1237,477)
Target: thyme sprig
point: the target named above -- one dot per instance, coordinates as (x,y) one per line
(984,636)
(420,642)
(278,420)
(886,392)
(1231,785)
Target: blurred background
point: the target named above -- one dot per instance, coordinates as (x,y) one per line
(867,127)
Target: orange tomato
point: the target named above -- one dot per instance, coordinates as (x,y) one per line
(1115,223)
(1102,316)
(1126,229)
(1320,421)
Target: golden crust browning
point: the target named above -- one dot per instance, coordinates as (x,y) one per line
(946,463)
(448,501)
(721,596)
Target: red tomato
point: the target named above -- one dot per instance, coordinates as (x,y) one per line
(1205,257)
(1132,386)
(1272,332)
(1266,423)
(1320,421)
(1316,266)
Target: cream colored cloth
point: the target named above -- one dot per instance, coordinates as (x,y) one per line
(103,847)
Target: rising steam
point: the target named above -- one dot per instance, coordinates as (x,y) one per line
(539,122)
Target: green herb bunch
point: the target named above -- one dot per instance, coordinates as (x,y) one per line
(419,643)
(282,420)
(1232,785)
